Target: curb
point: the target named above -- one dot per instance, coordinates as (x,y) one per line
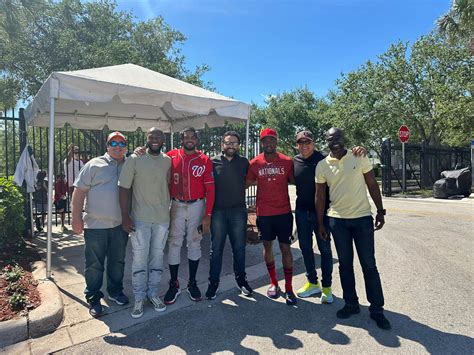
(40,321)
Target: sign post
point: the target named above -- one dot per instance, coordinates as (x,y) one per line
(404,136)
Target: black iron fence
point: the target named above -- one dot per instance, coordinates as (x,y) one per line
(423,165)
(14,136)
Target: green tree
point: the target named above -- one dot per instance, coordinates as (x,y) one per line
(428,87)
(290,112)
(72,35)
(458,22)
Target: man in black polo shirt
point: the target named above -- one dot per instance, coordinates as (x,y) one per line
(229,216)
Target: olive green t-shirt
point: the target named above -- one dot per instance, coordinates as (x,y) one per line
(147,176)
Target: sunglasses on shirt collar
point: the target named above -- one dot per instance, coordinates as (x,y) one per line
(120,144)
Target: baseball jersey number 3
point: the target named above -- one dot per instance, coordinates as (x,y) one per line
(176,178)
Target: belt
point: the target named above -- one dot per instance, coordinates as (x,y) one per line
(186,201)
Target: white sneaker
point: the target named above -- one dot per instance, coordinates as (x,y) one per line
(137,309)
(157,304)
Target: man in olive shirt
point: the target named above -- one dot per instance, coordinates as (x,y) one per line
(104,237)
(147,176)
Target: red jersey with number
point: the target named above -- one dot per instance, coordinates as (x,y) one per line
(192,177)
(272,178)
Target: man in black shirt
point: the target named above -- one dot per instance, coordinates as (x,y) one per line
(304,168)
(229,216)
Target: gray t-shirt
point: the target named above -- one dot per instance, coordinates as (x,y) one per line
(147,175)
(99,178)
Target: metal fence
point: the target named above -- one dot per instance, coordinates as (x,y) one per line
(423,165)
(14,136)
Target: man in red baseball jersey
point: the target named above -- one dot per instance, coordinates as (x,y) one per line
(272,171)
(192,200)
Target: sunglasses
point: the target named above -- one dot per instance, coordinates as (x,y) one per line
(114,144)
(304,142)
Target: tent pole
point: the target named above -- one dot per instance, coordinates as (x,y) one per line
(247,129)
(171,139)
(50,187)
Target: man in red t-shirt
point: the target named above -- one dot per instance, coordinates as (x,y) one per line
(192,200)
(272,171)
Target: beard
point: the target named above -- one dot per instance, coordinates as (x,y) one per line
(156,150)
(230,152)
(189,148)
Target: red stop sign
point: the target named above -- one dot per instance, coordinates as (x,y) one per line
(404,134)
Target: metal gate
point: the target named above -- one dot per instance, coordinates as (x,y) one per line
(423,165)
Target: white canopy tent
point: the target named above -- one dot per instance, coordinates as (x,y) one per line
(125,97)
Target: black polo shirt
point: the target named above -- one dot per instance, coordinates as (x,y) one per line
(229,180)
(305,170)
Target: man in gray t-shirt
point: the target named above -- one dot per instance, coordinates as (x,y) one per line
(96,184)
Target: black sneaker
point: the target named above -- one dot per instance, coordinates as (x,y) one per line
(244,287)
(212,290)
(172,293)
(95,309)
(194,292)
(120,299)
(290,298)
(381,321)
(347,311)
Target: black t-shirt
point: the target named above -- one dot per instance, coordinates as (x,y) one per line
(229,179)
(305,170)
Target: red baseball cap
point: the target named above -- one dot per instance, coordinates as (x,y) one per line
(116,135)
(268,132)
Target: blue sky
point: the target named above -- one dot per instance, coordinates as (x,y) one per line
(261,47)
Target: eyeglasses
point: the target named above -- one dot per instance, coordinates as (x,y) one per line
(305,142)
(230,143)
(114,144)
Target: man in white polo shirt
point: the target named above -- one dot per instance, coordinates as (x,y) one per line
(146,177)
(104,237)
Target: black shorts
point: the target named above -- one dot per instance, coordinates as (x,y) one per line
(60,205)
(278,226)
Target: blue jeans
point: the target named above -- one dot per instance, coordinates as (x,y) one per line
(306,225)
(148,245)
(361,232)
(232,222)
(102,243)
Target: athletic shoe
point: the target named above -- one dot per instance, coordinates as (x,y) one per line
(120,299)
(326,295)
(273,291)
(381,321)
(137,311)
(194,291)
(212,290)
(157,304)
(347,311)
(244,287)
(173,292)
(309,289)
(290,298)
(95,309)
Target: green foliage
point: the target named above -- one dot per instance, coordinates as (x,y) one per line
(12,273)
(12,220)
(75,34)
(428,87)
(290,112)
(458,22)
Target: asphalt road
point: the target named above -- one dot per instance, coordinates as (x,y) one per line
(425,258)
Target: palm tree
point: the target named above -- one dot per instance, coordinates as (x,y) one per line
(458,22)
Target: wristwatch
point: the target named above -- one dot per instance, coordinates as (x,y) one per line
(383,211)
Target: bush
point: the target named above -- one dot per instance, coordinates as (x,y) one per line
(12,220)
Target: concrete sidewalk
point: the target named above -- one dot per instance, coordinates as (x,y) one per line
(68,274)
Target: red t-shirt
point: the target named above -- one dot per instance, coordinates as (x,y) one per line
(272,183)
(192,177)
